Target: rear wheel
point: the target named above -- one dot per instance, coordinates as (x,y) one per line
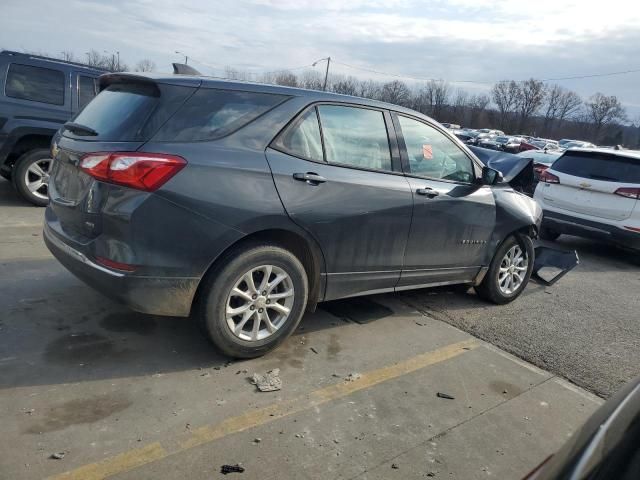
(31,176)
(548,234)
(254,301)
(509,271)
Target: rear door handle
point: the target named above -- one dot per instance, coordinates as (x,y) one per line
(428,192)
(310,177)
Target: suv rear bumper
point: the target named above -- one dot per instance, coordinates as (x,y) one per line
(585,228)
(171,296)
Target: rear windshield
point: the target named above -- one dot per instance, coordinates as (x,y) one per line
(609,168)
(211,113)
(130,111)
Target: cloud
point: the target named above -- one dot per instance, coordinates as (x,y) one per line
(478,40)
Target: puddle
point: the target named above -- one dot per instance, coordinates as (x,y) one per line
(129,322)
(79,411)
(358,310)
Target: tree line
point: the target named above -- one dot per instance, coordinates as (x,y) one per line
(530,107)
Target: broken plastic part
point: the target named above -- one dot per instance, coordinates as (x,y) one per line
(552,263)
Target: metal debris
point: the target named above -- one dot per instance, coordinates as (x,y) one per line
(313,350)
(225,469)
(58,455)
(269,382)
(352,377)
(445,395)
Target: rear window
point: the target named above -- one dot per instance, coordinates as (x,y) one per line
(609,168)
(37,84)
(130,111)
(211,113)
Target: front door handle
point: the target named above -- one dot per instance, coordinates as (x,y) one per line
(310,177)
(428,192)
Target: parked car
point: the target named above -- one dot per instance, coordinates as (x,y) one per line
(486,140)
(605,447)
(245,204)
(577,144)
(451,126)
(37,95)
(592,193)
(541,161)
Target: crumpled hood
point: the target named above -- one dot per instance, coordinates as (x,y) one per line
(516,170)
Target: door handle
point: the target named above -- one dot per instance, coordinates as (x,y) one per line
(310,177)
(428,192)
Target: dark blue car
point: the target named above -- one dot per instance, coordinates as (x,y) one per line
(245,205)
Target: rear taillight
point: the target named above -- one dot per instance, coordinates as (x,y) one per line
(142,171)
(547,177)
(539,167)
(628,192)
(125,267)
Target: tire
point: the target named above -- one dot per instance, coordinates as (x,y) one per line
(548,234)
(26,168)
(230,275)
(490,289)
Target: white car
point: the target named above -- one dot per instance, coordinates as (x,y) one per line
(592,193)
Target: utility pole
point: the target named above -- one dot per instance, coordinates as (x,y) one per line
(326,73)
(118,60)
(186,58)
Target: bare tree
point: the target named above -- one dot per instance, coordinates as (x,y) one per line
(67,56)
(396,92)
(369,89)
(478,105)
(603,110)
(311,80)
(287,79)
(561,104)
(344,85)
(145,65)
(532,95)
(459,106)
(95,59)
(505,95)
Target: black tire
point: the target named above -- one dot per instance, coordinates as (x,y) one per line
(548,234)
(20,171)
(219,283)
(489,289)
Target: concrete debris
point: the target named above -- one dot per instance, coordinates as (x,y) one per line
(257,440)
(269,382)
(220,402)
(225,469)
(352,377)
(242,371)
(395,466)
(58,455)
(445,395)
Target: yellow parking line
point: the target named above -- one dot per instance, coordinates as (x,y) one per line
(209,433)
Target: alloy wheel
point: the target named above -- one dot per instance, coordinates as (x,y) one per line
(513,270)
(36,178)
(259,303)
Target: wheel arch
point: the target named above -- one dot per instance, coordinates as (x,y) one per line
(298,243)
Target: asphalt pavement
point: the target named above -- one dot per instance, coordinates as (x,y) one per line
(125,395)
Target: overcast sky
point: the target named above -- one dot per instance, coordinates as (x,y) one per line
(478,40)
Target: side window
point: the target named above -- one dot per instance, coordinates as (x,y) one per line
(86,90)
(302,137)
(432,154)
(355,136)
(35,83)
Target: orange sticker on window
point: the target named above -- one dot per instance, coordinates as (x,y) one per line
(427,152)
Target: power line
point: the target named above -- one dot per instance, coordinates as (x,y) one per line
(623,72)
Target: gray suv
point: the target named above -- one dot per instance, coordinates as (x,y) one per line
(37,95)
(245,205)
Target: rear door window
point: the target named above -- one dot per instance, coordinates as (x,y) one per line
(37,84)
(87,90)
(597,166)
(130,111)
(213,113)
(355,136)
(302,138)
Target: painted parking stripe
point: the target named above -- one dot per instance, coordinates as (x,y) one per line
(138,457)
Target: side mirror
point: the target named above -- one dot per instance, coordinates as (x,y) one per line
(491,176)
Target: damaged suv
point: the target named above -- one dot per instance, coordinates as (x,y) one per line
(245,205)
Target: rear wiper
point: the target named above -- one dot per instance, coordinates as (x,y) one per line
(80,129)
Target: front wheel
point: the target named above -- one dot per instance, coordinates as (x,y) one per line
(254,300)
(30,176)
(509,271)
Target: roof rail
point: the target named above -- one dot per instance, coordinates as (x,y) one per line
(50,59)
